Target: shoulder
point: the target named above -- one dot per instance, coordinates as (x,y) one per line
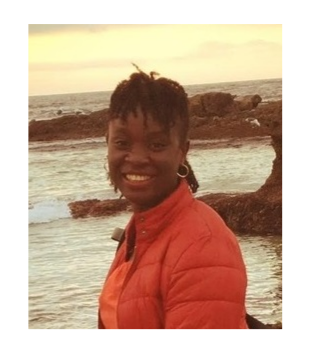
(200,231)
(202,221)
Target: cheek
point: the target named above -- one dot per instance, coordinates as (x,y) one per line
(172,162)
(113,162)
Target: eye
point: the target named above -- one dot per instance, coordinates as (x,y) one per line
(157,146)
(121,144)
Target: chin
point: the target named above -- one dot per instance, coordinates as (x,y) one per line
(142,202)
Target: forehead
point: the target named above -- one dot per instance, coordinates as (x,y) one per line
(137,122)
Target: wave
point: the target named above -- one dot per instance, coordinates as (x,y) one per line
(48,146)
(48,211)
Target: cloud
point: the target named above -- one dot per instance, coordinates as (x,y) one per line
(93,55)
(56,28)
(38,29)
(77,65)
(214,49)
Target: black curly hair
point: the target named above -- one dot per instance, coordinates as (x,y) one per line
(164,99)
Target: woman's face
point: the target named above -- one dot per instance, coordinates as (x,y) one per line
(144,159)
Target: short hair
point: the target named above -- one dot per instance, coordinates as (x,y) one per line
(164,99)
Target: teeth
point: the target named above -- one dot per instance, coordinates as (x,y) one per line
(133,177)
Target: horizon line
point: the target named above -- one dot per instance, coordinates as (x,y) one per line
(184,85)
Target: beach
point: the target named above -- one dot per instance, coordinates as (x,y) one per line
(69,257)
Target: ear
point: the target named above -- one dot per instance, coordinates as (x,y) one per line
(185,149)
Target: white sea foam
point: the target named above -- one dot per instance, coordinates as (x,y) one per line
(47,211)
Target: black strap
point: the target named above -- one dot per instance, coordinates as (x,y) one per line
(253,323)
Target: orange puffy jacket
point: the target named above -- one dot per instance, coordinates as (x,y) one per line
(187,269)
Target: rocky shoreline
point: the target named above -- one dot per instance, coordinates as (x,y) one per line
(214,116)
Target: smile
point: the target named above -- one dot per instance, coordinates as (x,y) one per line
(137,178)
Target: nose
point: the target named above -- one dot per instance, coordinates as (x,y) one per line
(138,155)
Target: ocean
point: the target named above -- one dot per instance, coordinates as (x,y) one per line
(69,258)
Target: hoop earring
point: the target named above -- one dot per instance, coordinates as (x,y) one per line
(187,171)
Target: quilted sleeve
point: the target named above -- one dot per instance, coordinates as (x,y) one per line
(207,287)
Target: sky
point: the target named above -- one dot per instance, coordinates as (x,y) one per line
(70,58)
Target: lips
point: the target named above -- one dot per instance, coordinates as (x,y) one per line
(132,177)
(134,182)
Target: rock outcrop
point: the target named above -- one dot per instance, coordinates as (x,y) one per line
(213,115)
(69,127)
(211,104)
(258,213)
(97,208)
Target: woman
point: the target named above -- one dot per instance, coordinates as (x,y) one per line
(179,266)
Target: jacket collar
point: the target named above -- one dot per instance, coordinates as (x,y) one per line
(150,223)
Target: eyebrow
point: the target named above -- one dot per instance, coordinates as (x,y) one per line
(124,130)
(120,130)
(158,133)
